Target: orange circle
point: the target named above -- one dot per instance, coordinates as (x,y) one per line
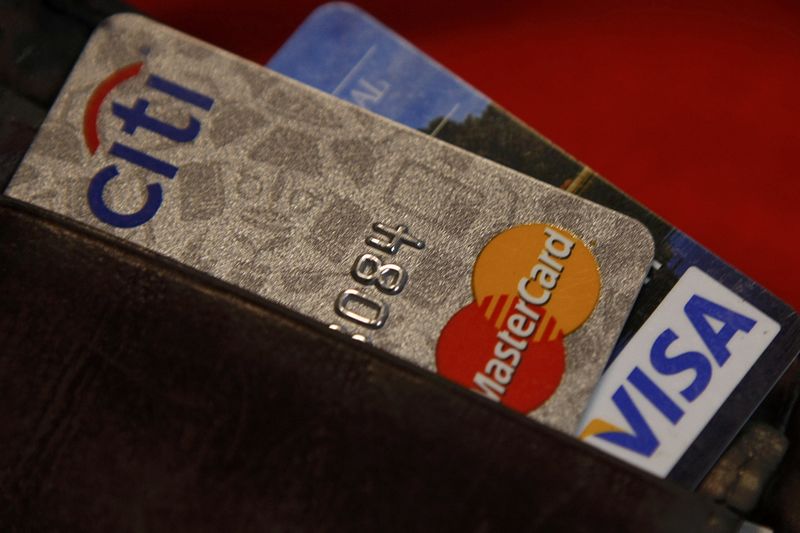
(545,266)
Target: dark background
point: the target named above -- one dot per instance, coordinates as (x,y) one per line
(691,107)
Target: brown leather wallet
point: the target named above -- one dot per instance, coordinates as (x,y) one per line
(140,395)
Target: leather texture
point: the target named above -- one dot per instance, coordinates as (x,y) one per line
(141,396)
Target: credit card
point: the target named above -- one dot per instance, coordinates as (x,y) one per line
(703,345)
(511,287)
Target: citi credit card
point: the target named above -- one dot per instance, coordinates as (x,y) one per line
(703,345)
(508,286)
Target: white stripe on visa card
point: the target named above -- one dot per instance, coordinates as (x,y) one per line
(675,373)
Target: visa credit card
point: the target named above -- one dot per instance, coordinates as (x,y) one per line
(703,345)
(414,245)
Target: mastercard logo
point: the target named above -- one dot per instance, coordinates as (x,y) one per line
(532,286)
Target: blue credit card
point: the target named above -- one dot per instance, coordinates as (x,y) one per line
(704,344)
(370,67)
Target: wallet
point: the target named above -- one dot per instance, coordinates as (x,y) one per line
(142,395)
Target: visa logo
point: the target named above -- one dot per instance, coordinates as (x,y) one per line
(135,118)
(675,373)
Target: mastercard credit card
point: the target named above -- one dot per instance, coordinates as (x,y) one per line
(703,345)
(510,287)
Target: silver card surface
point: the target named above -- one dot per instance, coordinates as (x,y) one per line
(507,286)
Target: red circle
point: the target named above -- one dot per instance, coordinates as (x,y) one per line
(467,345)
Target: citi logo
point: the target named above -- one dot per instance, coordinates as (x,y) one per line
(676,372)
(132,119)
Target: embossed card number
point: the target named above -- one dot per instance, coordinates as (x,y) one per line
(371,270)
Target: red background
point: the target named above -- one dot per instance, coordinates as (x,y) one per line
(691,107)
